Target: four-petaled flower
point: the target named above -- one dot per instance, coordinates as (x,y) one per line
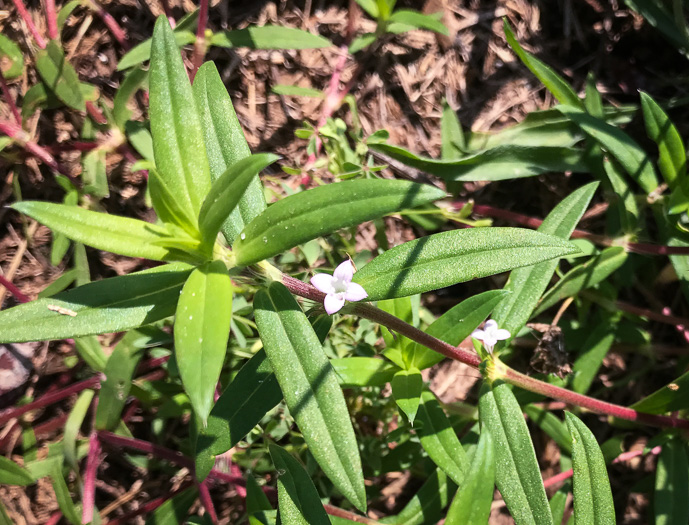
(338,287)
(490,335)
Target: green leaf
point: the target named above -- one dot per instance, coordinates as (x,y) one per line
(312,213)
(72,427)
(10,52)
(227,191)
(407,386)
(59,76)
(592,496)
(456,324)
(119,372)
(110,305)
(90,350)
(251,395)
(174,510)
(370,6)
(589,361)
(225,144)
(140,138)
(167,206)
(528,284)
(453,140)
(673,157)
(658,16)
(519,477)
(671,397)
(426,505)
(409,17)
(40,96)
(439,439)
(65,11)
(129,86)
(557,85)
(472,503)
(52,467)
(363,371)
(93,175)
(202,327)
(620,145)
(298,499)
(256,499)
(506,161)
(13,474)
(142,52)
(310,387)
(111,233)
(448,258)
(178,141)
(671,499)
(297,91)
(270,37)
(362,42)
(551,425)
(586,275)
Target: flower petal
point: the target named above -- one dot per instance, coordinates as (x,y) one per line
(478,334)
(355,292)
(323,282)
(345,271)
(490,325)
(502,334)
(334,302)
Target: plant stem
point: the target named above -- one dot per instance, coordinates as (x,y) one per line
(115,28)
(200,44)
(10,100)
(89,495)
(503,372)
(207,502)
(20,136)
(96,114)
(21,9)
(14,290)
(341,513)
(51,17)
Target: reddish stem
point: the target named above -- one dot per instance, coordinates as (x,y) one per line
(341,513)
(40,430)
(174,457)
(532,222)
(115,28)
(89,495)
(14,290)
(51,16)
(10,100)
(200,44)
(19,135)
(49,399)
(72,146)
(96,114)
(148,507)
(207,502)
(21,9)
(372,313)
(54,519)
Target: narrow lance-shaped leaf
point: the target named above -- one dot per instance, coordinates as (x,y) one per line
(363,371)
(13,474)
(167,206)
(252,393)
(202,326)
(456,324)
(310,387)
(671,397)
(519,477)
(111,233)
(111,305)
(312,213)
(593,503)
(228,190)
(448,258)
(13,55)
(528,284)
(72,427)
(453,140)
(270,37)
(584,276)
(225,145)
(560,89)
(439,439)
(620,145)
(60,76)
(671,499)
(407,386)
(298,499)
(472,503)
(178,145)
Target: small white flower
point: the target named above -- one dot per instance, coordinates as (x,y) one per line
(338,287)
(490,335)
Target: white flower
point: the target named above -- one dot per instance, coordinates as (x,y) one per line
(490,335)
(338,287)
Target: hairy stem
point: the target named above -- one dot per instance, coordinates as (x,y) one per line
(10,100)
(21,9)
(51,18)
(200,44)
(18,295)
(503,372)
(89,495)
